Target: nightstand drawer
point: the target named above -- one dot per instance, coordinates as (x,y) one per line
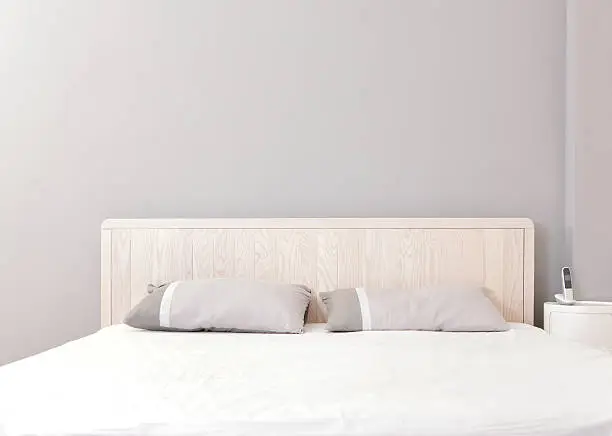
(593,329)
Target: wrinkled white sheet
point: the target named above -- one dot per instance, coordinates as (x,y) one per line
(122,381)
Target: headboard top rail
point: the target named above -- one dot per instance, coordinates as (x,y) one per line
(320,223)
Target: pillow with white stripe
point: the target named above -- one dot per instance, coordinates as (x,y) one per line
(451,309)
(230,305)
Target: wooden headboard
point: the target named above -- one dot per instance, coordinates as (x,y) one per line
(323,253)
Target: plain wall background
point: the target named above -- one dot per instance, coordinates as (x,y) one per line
(264,109)
(590,140)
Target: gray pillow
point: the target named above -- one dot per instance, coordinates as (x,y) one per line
(434,309)
(233,305)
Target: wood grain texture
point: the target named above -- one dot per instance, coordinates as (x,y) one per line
(328,262)
(503,269)
(121,271)
(351,261)
(264,254)
(296,262)
(368,252)
(159,256)
(244,253)
(106,275)
(528,275)
(327,278)
(224,252)
(202,253)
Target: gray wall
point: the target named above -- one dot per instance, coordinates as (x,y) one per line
(269,108)
(590,140)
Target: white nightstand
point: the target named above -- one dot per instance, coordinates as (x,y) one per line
(588,322)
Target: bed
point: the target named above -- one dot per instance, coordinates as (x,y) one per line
(124,381)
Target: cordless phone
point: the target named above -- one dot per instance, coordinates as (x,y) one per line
(568,291)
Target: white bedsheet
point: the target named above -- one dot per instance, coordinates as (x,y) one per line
(122,381)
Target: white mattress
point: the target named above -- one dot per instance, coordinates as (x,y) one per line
(130,382)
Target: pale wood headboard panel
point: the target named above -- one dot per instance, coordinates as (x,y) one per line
(323,253)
